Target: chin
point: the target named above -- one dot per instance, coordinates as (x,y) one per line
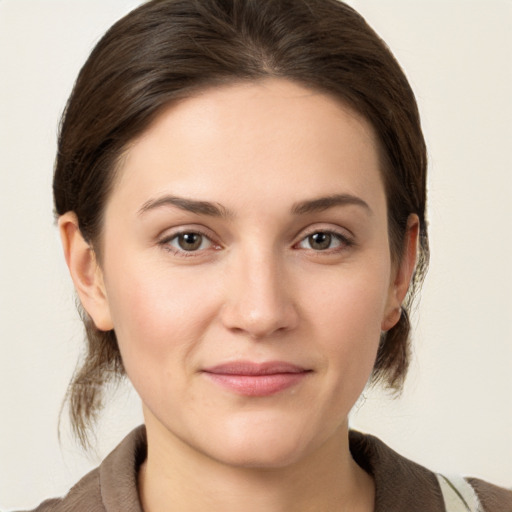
(262,447)
(258,457)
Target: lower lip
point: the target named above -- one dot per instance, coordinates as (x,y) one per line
(257,385)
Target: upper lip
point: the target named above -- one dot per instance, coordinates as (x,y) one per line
(252,368)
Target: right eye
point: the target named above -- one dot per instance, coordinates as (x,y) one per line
(187,242)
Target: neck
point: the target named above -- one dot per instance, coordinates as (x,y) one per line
(177,477)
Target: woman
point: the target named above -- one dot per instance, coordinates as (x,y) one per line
(241,197)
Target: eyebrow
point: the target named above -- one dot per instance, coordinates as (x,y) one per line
(217,210)
(324,203)
(189,205)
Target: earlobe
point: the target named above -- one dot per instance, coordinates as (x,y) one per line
(391,318)
(85,271)
(403,274)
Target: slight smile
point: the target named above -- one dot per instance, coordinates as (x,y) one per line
(256,379)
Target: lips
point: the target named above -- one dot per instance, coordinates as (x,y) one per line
(256,379)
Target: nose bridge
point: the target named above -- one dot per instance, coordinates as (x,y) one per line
(258,298)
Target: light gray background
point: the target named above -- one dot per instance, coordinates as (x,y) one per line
(456,412)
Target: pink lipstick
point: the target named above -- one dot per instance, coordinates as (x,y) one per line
(256,379)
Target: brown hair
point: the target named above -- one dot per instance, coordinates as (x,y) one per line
(168,49)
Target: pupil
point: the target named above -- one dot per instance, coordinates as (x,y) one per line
(320,241)
(190,241)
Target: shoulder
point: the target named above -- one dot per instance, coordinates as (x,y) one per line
(84,496)
(109,488)
(492,497)
(403,485)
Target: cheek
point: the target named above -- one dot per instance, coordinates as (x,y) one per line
(348,314)
(354,335)
(159,316)
(351,301)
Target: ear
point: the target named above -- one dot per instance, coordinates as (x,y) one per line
(402,274)
(85,272)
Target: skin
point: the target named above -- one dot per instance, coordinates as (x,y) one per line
(257,288)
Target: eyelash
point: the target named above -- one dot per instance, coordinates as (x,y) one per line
(343,240)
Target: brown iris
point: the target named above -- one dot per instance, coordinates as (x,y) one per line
(190,241)
(320,241)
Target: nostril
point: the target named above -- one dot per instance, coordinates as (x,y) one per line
(259,322)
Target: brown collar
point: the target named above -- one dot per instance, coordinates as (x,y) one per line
(400,484)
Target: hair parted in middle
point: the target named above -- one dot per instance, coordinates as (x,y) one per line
(166,50)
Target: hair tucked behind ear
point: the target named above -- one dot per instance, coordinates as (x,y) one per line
(102,364)
(393,355)
(169,49)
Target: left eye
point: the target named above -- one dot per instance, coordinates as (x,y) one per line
(321,241)
(189,242)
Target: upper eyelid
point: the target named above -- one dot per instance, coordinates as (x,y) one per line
(342,239)
(170,233)
(333,231)
(339,231)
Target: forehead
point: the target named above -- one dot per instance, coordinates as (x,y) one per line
(260,138)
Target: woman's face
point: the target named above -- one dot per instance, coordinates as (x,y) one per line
(246,270)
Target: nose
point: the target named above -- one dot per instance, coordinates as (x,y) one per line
(258,300)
